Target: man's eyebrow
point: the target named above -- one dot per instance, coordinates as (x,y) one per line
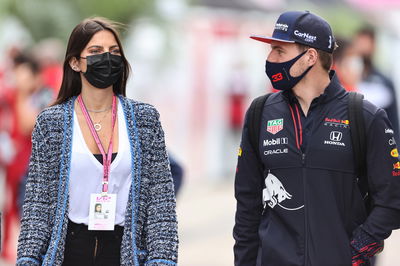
(276,46)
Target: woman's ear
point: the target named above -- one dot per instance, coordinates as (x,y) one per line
(73,63)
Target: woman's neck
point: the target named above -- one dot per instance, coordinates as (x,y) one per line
(97,99)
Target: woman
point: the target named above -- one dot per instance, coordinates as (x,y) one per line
(96,146)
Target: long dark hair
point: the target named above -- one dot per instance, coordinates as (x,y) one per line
(81,35)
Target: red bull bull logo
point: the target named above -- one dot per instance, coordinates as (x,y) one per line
(275,193)
(396,165)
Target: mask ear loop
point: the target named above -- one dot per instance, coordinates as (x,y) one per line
(294,60)
(297,58)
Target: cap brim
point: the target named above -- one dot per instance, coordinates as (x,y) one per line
(268,39)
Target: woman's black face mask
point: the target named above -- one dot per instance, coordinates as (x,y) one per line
(103,70)
(279,73)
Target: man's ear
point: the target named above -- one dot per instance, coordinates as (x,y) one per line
(312,55)
(73,63)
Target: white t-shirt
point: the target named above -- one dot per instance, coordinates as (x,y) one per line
(87,172)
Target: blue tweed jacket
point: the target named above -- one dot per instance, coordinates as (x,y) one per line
(150,233)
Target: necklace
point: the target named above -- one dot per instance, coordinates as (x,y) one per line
(97,125)
(99,111)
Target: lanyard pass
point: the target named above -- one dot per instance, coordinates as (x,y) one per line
(106,157)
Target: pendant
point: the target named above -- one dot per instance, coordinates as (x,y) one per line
(97,127)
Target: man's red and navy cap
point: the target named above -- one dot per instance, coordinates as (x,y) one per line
(302,27)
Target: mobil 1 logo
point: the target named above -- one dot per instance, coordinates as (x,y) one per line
(275,141)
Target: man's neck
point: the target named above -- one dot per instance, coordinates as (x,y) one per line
(309,88)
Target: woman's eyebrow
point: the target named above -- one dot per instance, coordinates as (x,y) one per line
(95,46)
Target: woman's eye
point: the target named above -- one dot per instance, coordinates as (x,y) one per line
(96,51)
(116,51)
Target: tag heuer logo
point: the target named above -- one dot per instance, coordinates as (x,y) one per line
(274,126)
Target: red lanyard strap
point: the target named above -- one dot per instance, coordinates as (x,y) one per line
(106,157)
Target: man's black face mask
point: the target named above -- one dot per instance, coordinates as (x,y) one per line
(279,73)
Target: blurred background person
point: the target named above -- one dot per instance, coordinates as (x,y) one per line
(36,94)
(48,52)
(347,64)
(7,149)
(237,100)
(23,103)
(376,86)
(177,173)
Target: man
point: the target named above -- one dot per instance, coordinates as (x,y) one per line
(375,86)
(298,201)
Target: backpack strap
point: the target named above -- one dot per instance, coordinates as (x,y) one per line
(255,114)
(358,139)
(357,130)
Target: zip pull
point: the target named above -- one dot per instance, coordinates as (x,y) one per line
(303,158)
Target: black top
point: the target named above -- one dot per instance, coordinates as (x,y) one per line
(99,157)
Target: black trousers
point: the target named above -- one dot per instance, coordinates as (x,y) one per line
(92,248)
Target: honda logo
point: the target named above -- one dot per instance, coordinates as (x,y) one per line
(336,136)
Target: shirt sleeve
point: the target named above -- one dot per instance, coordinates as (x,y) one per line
(392,109)
(248,194)
(383,168)
(35,223)
(161,224)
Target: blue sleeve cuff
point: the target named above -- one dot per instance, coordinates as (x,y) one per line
(27,261)
(160,262)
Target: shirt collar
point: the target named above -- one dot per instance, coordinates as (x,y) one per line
(333,90)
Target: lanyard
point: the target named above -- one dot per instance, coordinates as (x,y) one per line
(106,157)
